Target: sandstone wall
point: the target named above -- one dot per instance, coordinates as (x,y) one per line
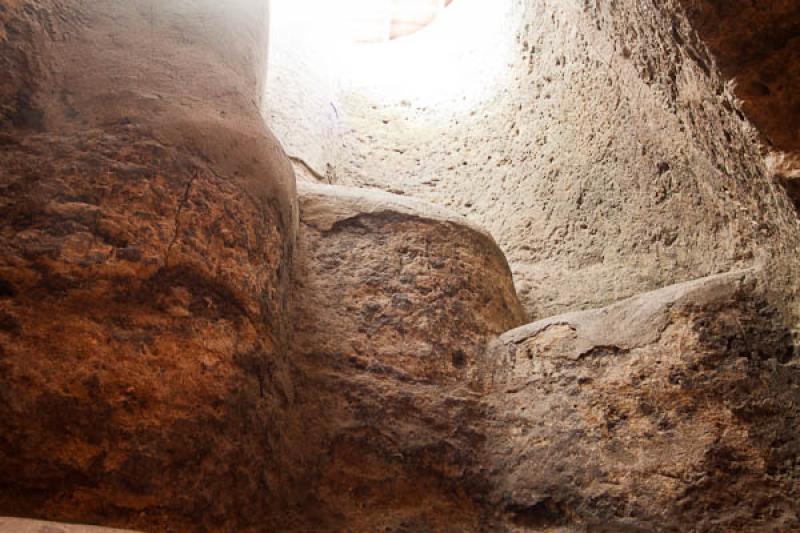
(186,347)
(671,411)
(393,304)
(611,159)
(147,232)
(758,48)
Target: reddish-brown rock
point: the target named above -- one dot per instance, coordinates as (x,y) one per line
(168,362)
(145,246)
(757,45)
(393,304)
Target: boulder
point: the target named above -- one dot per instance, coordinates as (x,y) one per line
(393,303)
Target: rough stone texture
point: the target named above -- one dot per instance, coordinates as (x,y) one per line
(786,168)
(393,304)
(607,158)
(20,525)
(758,46)
(396,286)
(145,243)
(671,408)
(168,364)
(300,103)
(673,411)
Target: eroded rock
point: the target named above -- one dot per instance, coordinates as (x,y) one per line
(397,287)
(394,301)
(165,365)
(670,410)
(757,47)
(145,247)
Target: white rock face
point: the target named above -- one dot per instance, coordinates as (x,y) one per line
(606,154)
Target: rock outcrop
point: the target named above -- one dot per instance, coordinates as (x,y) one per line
(146,235)
(394,302)
(188,343)
(671,411)
(605,152)
(757,46)
(673,407)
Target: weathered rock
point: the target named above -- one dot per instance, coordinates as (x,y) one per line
(785,167)
(166,365)
(757,46)
(145,246)
(672,410)
(21,525)
(397,287)
(394,301)
(604,150)
(674,407)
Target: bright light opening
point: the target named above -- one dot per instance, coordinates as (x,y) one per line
(375,21)
(334,59)
(452,52)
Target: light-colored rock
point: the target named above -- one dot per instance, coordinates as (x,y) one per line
(21,525)
(669,411)
(634,322)
(607,156)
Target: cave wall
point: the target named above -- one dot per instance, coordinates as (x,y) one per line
(612,158)
(299,95)
(757,46)
(186,346)
(148,226)
(393,303)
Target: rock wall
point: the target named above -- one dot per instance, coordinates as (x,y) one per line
(758,47)
(189,344)
(147,231)
(394,302)
(671,411)
(610,159)
(673,407)
(300,92)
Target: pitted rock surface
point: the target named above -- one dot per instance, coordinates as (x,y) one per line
(189,344)
(145,251)
(669,410)
(394,303)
